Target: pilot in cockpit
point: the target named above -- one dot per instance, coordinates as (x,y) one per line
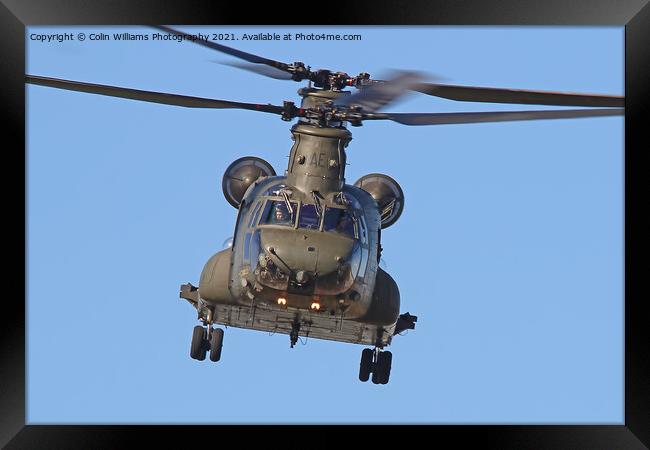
(345,224)
(339,220)
(281,215)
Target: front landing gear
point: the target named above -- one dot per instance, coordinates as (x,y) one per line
(376,362)
(205,338)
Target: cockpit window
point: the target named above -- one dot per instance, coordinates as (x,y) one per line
(339,220)
(277,213)
(309,217)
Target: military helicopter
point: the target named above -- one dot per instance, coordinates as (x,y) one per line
(306,251)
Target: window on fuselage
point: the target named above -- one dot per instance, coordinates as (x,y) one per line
(277,213)
(339,221)
(309,217)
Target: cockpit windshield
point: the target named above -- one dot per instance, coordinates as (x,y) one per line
(309,217)
(277,213)
(339,220)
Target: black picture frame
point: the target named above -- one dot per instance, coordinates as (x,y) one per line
(15,15)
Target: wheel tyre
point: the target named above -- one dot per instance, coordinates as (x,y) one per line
(377,369)
(197,348)
(216,344)
(385,360)
(366,364)
(376,374)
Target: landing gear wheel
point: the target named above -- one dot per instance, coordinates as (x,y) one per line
(216,344)
(376,375)
(384,362)
(198,347)
(366,364)
(381,369)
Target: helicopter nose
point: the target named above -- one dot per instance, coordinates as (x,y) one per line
(306,254)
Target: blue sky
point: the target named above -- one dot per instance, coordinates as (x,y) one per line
(509,250)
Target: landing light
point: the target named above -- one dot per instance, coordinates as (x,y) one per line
(282,301)
(315,306)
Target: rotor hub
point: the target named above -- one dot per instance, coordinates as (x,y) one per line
(316,103)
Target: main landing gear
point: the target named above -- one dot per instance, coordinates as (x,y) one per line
(204,339)
(376,362)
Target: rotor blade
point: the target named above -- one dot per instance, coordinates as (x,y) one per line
(519,96)
(148,96)
(501,116)
(377,95)
(267,71)
(228,50)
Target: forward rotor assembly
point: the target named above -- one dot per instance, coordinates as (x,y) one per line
(372,96)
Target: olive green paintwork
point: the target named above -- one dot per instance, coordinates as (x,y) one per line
(317,159)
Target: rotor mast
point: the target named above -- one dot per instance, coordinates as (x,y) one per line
(317,159)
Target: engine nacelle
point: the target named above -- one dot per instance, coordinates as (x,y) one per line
(388,195)
(241,174)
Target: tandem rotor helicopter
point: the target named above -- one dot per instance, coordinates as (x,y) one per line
(305,255)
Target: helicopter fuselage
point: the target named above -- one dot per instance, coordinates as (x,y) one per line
(307,242)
